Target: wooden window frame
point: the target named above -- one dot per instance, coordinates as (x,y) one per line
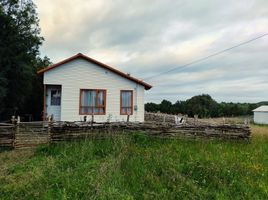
(121,113)
(92,113)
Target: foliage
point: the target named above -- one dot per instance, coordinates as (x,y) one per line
(34,102)
(19,57)
(138,167)
(204,106)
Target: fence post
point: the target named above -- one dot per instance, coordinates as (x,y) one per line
(92,121)
(13,119)
(18,119)
(14,135)
(17,129)
(49,130)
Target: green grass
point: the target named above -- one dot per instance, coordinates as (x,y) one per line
(139,167)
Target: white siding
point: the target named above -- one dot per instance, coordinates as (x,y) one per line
(261,117)
(80,74)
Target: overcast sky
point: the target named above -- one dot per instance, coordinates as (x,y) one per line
(145,37)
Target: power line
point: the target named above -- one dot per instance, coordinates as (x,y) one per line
(205,58)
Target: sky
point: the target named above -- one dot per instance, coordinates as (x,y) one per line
(148,37)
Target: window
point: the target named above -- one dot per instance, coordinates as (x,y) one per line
(126,102)
(92,102)
(55,97)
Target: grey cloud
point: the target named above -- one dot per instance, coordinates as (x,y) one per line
(148,37)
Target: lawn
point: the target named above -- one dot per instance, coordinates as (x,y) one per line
(138,167)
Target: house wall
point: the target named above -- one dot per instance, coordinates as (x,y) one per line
(261,117)
(80,74)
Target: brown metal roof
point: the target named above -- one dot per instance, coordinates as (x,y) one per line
(82,56)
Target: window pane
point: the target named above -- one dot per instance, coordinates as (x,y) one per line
(85,110)
(101,110)
(96,110)
(88,98)
(93,98)
(128,111)
(101,98)
(124,110)
(85,98)
(126,98)
(55,98)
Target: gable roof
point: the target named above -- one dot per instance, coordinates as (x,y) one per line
(261,109)
(82,56)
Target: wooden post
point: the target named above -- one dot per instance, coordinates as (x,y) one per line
(17,130)
(92,120)
(127,118)
(14,129)
(49,125)
(13,120)
(18,119)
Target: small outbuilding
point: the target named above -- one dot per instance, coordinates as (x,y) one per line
(261,115)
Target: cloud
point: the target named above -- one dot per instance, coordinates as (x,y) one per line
(145,38)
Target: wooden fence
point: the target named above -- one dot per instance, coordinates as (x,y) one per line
(184,119)
(31,134)
(7,135)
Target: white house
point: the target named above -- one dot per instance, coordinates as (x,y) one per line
(261,115)
(79,87)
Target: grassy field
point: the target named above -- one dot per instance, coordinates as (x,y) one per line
(138,167)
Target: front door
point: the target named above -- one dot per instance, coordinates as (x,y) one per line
(54,102)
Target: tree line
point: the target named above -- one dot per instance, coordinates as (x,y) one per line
(21,90)
(204,106)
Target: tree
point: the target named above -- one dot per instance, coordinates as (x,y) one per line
(179,107)
(34,102)
(202,105)
(165,106)
(19,51)
(151,107)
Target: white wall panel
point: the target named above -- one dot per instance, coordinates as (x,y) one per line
(261,117)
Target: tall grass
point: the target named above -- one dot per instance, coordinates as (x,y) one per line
(138,167)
